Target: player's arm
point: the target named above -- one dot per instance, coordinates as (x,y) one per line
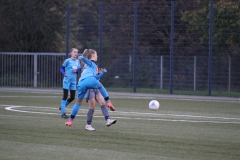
(85,60)
(104,71)
(62,70)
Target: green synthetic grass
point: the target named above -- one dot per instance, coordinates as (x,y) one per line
(219,93)
(179,130)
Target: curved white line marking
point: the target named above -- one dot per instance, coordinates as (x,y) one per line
(13,108)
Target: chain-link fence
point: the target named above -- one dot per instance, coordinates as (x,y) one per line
(190,72)
(179,45)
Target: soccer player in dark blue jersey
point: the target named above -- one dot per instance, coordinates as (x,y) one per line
(70,68)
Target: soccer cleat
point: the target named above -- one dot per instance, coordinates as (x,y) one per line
(64,116)
(69,123)
(110,122)
(110,106)
(89,128)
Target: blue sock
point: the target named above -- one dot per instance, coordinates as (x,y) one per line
(105,112)
(75,109)
(66,103)
(90,116)
(103,91)
(63,105)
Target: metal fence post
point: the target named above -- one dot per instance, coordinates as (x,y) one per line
(194,72)
(67,30)
(135,46)
(229,73)
(171,47)
(161,72)
(210,49)
(35,70)
(100,33)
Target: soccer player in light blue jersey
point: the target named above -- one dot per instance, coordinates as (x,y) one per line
(87,81)
(94,95)
(70,68)
(104,94)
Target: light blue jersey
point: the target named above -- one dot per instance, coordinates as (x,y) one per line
(87,81)
(69,82)
(90,70)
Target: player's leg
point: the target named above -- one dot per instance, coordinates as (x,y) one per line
(90,98)
(80,95)
(71,98)
(74,112)
(63,103)
(106,97)
(87,83)
(105,113)
(72,89)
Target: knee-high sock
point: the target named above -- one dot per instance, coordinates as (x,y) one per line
(90,116)
(75,109)
(66,104)
(103,91)
(63,106)
(105,112)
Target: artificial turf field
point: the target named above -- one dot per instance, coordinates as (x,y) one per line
(182,129)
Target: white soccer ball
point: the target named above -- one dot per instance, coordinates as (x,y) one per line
(154,105)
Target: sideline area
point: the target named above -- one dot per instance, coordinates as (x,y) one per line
(129,94)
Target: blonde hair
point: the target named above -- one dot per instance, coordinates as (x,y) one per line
(88,53)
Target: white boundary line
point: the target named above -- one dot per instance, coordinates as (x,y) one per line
(29,96)
(139,97)
(169,117)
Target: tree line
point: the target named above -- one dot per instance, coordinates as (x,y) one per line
(40,26)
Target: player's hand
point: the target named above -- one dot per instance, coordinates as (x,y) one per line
(65,75)
(100,70)
(79,56)
(105,70)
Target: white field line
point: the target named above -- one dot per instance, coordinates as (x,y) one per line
(140,97)
(29,96)
(135,115)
